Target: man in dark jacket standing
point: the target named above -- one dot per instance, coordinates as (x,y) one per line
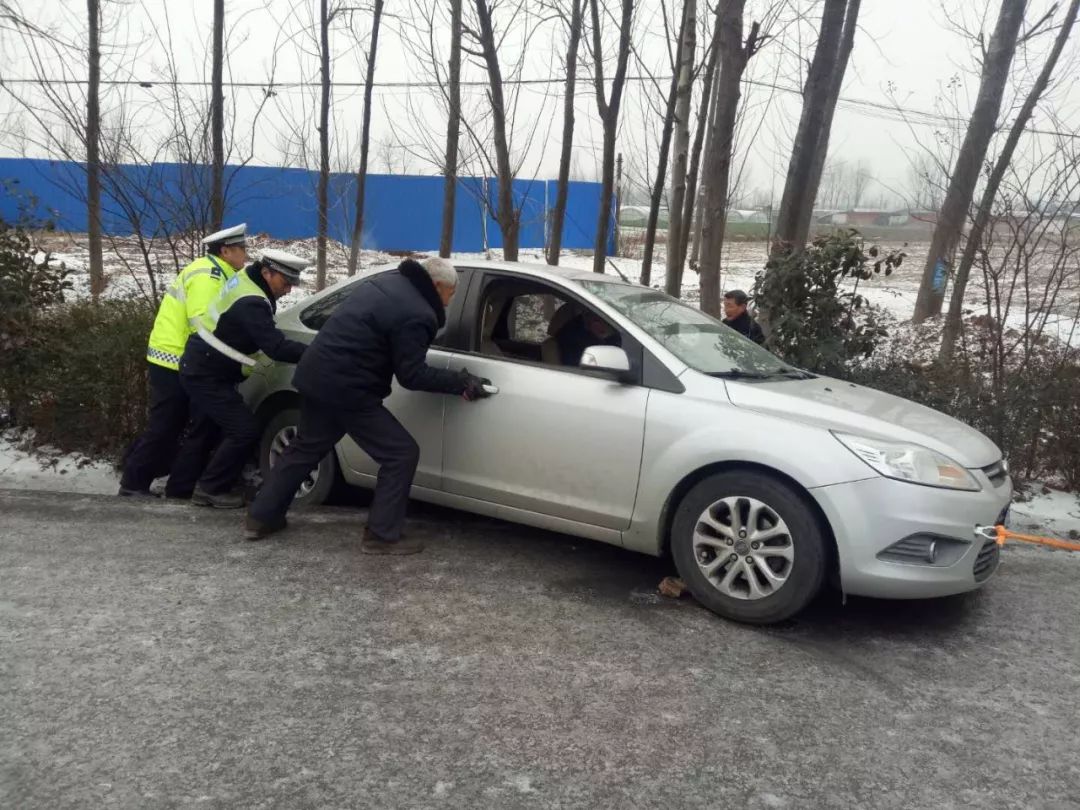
(237,327)
(383,329)
(736,316)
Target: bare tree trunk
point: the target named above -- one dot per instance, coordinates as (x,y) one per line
(656,195)
(617,229)
(656,189)
(826,73)
(847,43)
(324,146)
(361,175)
(609,116)
(217,120)
(993,183)
(695,252)
(563,185)
(682,141)
(734,56)
(673,282)
(965,174)
(93,145)
(453,131)
(508,217)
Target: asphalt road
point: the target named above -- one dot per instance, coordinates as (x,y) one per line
(150,657)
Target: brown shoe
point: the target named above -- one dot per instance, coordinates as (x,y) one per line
(373,544)
(257,530)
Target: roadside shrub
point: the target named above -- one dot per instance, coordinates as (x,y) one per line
(72,372)
(83,385)
(29,284)
(812,319)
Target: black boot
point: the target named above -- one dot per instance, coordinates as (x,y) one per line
(224,500)
(136,493)
(373,544)
(257,530)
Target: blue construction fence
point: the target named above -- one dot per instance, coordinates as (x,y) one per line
(401,212)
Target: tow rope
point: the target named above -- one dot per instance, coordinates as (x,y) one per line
(999,534)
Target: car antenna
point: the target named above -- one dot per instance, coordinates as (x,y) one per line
(615,267)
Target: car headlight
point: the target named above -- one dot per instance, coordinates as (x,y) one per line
(909,462)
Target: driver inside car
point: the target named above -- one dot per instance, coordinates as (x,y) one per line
(587,329)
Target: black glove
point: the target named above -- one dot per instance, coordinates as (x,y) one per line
(474,386)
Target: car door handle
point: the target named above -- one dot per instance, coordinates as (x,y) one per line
(490,389)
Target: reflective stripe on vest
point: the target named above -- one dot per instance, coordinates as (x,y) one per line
(238,287)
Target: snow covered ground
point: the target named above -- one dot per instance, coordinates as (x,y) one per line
(48,470)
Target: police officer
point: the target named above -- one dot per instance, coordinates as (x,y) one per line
(382,330)
(154,453)
(236,328)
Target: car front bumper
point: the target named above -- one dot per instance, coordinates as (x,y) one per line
(873,518)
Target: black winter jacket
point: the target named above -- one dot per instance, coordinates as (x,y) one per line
(748,327)
(247,326)
(383,329)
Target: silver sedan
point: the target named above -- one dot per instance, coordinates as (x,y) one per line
(626,416)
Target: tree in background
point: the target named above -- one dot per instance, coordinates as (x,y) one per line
(93,143)
(506,213)
(680,57)
(453,133)
(965,174)
(836,39)
(365,132)
(608,107)
(734,56)
(673,281)
(217,118)
(681,147)
(997,174)
(573,23)
(322,193)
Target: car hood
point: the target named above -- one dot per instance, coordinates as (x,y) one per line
(838,405)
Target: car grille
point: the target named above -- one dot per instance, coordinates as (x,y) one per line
(996,472)
(986,562)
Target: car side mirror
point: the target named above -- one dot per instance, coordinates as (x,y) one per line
(611,359)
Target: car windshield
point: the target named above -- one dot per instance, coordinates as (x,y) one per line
(699,340)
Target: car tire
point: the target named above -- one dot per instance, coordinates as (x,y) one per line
(278,431)
(713,546)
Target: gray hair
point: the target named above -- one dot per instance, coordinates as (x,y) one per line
(440,270)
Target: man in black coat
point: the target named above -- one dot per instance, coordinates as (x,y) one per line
(736,316)
(237,326)
(383,329)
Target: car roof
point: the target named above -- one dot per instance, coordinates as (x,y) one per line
(533,270)
(545,272)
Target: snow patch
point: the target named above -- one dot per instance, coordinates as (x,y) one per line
(48,470)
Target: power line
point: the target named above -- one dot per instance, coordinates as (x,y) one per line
(875,109)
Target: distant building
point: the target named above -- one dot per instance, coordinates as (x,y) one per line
(637,216)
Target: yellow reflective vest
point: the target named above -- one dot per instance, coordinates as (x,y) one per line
(237,287)
(184,303)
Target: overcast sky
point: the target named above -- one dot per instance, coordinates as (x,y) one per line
(906,52)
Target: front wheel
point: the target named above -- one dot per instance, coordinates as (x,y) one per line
(748,547)
(279,433)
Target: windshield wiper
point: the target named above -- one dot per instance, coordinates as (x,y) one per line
(738,374)
(794,373)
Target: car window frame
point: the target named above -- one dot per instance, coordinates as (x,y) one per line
(449,338)
(472,308)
